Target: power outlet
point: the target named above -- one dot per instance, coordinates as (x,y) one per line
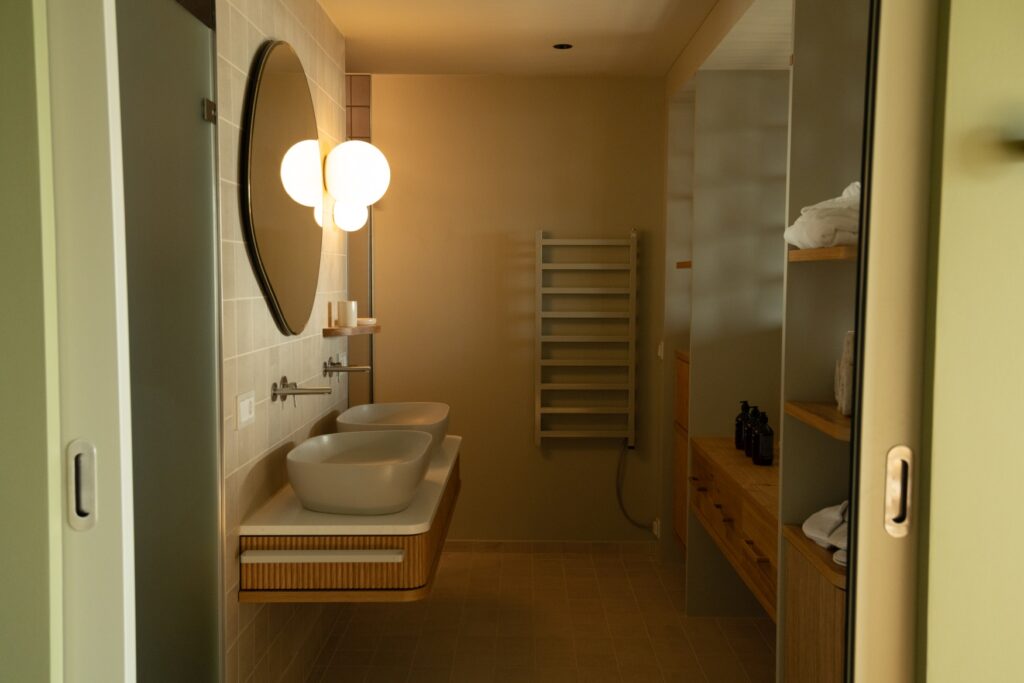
(245,409)
(656,527)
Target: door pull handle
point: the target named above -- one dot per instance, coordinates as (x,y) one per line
(898,490)
(80,466)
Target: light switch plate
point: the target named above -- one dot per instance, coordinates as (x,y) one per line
(245,409)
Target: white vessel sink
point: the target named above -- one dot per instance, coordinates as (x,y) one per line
(422,417)
(359,473)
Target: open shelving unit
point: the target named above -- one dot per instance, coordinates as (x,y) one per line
(585,369)
(822,416)
(843,253)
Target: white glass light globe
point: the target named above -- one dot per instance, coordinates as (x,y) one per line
(301,173)
(318,213)
(350,217)
(357,173)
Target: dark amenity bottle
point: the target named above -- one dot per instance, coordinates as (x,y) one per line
(741,425)
(765,443)
(750,438)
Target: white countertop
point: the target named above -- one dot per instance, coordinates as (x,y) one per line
(283,515)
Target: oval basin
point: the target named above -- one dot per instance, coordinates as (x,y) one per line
(431,418)
(359,473)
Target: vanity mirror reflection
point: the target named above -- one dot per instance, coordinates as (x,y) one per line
(279,141)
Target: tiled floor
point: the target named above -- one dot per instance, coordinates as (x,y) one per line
(555,612)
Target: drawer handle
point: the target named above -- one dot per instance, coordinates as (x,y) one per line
(322,556)
(702,489)
(754,552)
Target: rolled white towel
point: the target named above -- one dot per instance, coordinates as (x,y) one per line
(840,537)
(833,222)
(822,524)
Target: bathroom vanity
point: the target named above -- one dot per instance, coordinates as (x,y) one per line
(290,554)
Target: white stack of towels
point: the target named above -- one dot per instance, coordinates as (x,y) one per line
(831,223)
(828,528)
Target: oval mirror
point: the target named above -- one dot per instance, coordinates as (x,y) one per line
(281,234)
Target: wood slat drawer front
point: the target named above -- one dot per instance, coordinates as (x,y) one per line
(762,531)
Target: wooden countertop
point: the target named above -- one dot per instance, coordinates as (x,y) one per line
(762,483)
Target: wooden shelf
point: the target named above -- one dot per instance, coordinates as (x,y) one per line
(683,265)
(822,416)
(845,253)
(576,363)
(585,266)
(820,558)
(584,339)
(585,410)
(587,314)
(584,243)
(351,331)
(585,290)
(583,434)
(584,387)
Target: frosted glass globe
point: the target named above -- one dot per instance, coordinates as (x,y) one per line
(350,217)
(318,213)
(301,173)
(357,173)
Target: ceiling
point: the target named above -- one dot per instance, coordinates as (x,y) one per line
(761,39)
(611,37)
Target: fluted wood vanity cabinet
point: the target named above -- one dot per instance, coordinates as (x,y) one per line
(290,554)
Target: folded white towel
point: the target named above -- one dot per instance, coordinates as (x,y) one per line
(840,537)
(822,524)
(839,557)
(831,223)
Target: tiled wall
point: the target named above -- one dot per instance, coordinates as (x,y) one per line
(271,642)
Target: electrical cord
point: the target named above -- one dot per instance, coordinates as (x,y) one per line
(620,478)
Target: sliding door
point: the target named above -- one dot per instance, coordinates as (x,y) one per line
(887,428)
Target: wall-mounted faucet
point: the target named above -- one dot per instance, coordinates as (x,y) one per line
(333,367)
(285,389)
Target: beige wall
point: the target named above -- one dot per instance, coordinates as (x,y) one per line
(737,287)
(479,164)
(278,642)
(975,599)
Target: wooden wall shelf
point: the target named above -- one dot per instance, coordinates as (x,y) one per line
(822,416)
(351,331)
(845,253)
(820,558)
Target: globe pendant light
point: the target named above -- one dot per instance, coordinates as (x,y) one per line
(357,173)
(301,173)
(350,217)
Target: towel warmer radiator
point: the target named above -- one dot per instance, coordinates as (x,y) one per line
(585,347)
